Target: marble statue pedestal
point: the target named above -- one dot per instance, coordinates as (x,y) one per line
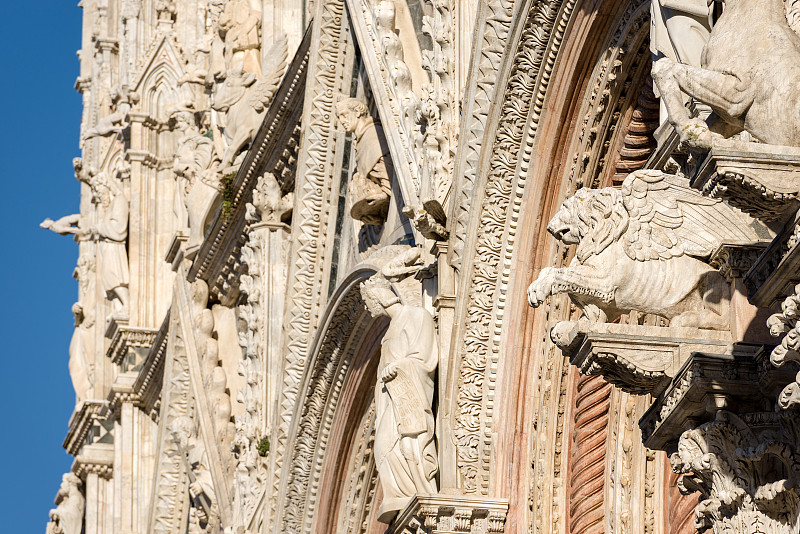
(637,359)
(451,514)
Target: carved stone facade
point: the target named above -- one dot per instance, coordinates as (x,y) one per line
(420,266)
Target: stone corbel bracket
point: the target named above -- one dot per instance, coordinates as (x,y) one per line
(637,359)
(95,459)
(762,180)
(451,514)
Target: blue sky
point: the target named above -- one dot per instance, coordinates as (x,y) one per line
(39,138)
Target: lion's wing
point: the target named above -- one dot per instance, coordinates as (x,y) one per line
(668,219)
(264,88)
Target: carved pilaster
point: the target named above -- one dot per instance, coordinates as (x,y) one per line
(451,514)
(266,258)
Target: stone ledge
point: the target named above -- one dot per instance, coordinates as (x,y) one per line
(451,514)
(742,381)
(125,337)
(762,180)
(637,359)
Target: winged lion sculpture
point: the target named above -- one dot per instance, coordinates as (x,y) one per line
(642,248)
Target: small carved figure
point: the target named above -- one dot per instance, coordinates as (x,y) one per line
(242,101)
(80,365)
(201,484)
(405,451)
(749,76)
(270,202)
(114,122)
(642,248)
(240,26)
(371,186)
(193,157)
(68,224)
(429,219)
(67,518)
(112,235)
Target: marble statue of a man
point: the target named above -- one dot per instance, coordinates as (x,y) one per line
(80,366)
(405,451)
(193,157)
(67,518)
(371,187)
(240,25)
(112,234)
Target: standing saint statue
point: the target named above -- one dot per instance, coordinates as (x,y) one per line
(67,518)
(193,157)
(112,235)
(371,188)
(405,450)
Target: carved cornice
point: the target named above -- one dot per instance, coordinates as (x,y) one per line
(125,337)
(743,379)
(777,270)
(759,179)
(79,425)
(217,260)
(96,459)
(122,392)
(637,359)
(149,382)
(733,260)
(451,514)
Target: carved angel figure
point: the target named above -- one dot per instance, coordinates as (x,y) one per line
(67,518)
(405,451)
(749,76)
(242,101)
(642,248)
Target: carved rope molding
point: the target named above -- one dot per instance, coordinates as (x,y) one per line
(494,227)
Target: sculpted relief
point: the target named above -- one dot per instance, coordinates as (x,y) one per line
(405,450)
(371,187)
(749,78)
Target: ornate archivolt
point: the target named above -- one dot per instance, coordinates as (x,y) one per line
(536,131)
(339,342)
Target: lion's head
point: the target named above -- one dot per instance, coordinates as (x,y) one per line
(592,219)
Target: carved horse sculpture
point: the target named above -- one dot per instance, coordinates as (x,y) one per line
(749,76)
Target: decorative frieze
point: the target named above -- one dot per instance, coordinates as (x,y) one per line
(129,345)
(80,424)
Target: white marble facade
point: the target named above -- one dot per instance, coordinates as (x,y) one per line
(435,266)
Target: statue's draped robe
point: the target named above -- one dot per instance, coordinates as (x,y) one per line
(113,231)
(410,342)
